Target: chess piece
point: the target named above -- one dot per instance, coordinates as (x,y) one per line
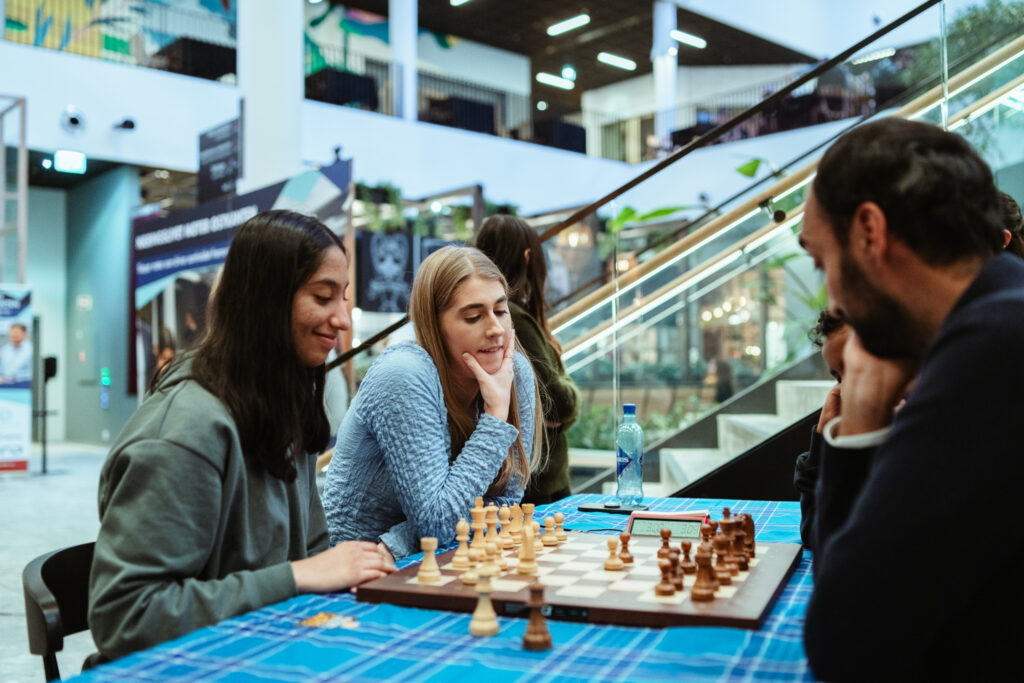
(559,531)
(663,551)
(665,587)
(748,528)
(676,573)
(470,576)
(479,527)
(739,549)
(491,519)
(528,517)
(460,560)
(504,514)
(549,532)
(537,636)
(704,586)
(429,571)
(706,529)
(497,563)
(516,524)
(723,569)
(686,564)
(478,503)
(613,563)
(485,620)
(625,555)
(527,555)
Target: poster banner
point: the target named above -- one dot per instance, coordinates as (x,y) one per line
(175,258)
(16,366)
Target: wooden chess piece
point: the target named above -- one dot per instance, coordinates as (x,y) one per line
(666,537)
(516,524)
(559,531)
(460,560)
(665,587)
(528,517)
(470,576)
(728,530)
(479,527)
(613,563)
(536,636)
(492,523)
(548,538)
(704,586)
(478,503)
(726,515)
(723,569)
(429,571)
(485,620)
(706,529)
(504,514)
(686,564)
(625,555)
(527,555)
(676,573)
(495,559)
(748,528)
(739,549)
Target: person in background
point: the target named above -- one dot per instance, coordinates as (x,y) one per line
(16,356)
(516,249)
(829,334)
(1013,226)
(437,423)
(914,526)
(207,500)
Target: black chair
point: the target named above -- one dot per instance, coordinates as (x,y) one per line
(56,601)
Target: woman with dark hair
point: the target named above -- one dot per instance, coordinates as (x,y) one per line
(208,502)
(439,422)
(516,249)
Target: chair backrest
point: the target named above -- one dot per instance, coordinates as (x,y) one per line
(56,601)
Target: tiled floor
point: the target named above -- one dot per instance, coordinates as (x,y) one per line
(39,513)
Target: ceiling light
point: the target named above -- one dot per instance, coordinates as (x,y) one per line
(456,3)
(554,81)
(66,161)
(542,105)
(568,25)
(673,50)
(615,60)
(436,207)
(47,163)
(315,2)
(689,39)
(569,73)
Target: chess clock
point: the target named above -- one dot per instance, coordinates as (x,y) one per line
(682,524)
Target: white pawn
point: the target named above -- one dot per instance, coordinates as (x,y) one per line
(429,571)
(484,621)
(470,576)
(614,562)
(549,538)
(494,558)
(460,560)
(516,524)
(559,531)
(505,536)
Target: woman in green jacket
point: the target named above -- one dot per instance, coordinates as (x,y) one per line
(516,250)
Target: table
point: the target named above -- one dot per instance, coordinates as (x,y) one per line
(398,643)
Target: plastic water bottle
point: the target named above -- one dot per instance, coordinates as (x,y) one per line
(629,442)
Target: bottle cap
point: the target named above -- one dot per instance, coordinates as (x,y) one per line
(629,409)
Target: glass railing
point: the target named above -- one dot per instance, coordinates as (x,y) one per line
(197,41)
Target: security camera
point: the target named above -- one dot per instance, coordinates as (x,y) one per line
(72,120)
(125,124)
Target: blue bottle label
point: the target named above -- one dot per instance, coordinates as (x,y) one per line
(622,461)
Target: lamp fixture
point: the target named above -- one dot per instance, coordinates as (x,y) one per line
(456,3)
(568,25)
(616,61)
(569,73)
(689,39)
(67,161)
(555,81)
(542,105)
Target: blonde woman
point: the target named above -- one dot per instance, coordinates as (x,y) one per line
(437,423)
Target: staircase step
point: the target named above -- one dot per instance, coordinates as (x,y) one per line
(682,466)
(796,398)
(738,432)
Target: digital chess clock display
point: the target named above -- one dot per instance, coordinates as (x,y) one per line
(686,525)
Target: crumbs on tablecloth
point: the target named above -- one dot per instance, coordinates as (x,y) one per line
(330,620)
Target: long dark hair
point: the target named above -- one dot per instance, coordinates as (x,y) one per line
(504,239)
(247,358)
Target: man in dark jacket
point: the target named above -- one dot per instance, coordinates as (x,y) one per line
(917,541)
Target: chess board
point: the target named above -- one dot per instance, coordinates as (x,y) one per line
(578,588)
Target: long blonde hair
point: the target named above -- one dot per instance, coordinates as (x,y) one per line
(433,292)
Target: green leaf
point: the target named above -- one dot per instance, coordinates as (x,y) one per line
(616,224)
(658,213)
(749,169)
(14,25)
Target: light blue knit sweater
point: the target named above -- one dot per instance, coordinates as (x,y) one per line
(391,477)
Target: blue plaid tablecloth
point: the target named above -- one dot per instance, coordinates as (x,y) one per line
(405,644)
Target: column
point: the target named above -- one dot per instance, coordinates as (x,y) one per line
(663,59)
(272,85)
(403,30)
